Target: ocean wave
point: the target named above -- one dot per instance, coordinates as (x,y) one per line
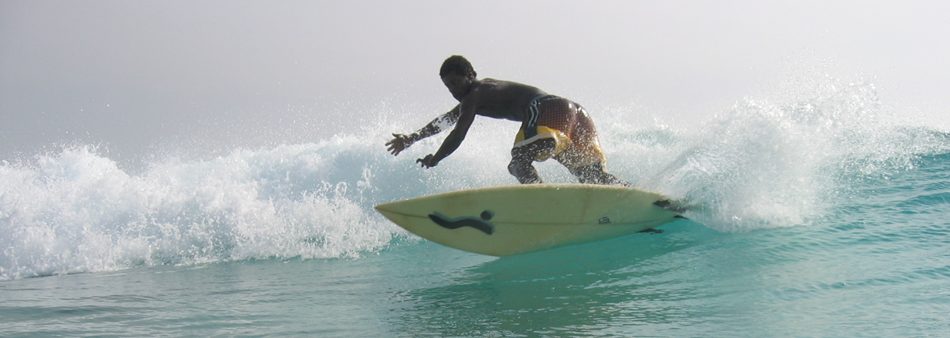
(761,164)
(779,162)
(77,211)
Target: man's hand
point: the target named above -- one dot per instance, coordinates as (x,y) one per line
(399,143)
(428,162)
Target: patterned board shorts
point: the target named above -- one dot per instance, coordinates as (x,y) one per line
(553,117)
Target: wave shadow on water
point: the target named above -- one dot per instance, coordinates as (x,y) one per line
(610,287)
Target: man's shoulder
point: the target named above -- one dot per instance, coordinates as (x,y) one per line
(503,87)
(502,83)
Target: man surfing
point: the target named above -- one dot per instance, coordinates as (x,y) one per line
(551,126)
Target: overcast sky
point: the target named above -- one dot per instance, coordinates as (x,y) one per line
(136,75)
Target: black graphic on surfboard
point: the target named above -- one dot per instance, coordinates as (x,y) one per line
(480,223)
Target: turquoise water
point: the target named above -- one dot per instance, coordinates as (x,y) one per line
(816,216)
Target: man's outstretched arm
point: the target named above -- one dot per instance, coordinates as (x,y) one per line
(401,141)
(453,141)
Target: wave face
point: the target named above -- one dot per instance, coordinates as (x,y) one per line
(762,164)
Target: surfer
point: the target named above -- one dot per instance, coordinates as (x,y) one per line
(551,126)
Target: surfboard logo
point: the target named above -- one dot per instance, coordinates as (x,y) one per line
(481,223)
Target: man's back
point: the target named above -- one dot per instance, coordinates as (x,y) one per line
(502,99)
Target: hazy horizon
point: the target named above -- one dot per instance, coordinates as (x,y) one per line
(138,77)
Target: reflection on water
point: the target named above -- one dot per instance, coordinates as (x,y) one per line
(605,287)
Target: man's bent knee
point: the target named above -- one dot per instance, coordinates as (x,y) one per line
(523,171)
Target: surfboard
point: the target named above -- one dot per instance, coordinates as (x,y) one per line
(516,219)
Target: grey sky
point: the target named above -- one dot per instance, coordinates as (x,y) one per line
(137,75)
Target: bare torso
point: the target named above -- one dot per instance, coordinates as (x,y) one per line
(501,99)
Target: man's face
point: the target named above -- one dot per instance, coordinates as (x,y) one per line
(457,84)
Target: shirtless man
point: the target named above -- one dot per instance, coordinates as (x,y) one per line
(551,126)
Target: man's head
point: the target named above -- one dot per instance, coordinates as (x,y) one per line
(457,64)
(458,75)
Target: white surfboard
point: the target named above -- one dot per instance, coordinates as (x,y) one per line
(515,219)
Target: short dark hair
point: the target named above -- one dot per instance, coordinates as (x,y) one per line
(457,64)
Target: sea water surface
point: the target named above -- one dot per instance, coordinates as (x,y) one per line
(816,215)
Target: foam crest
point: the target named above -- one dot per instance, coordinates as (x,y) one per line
(77,211)
(783,162)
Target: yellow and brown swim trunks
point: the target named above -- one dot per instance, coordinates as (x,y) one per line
(566,122)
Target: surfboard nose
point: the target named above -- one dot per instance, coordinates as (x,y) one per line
(382,207)
(388,210)
(393,207)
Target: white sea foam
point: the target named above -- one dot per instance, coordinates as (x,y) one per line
(75,210)
(780,161)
